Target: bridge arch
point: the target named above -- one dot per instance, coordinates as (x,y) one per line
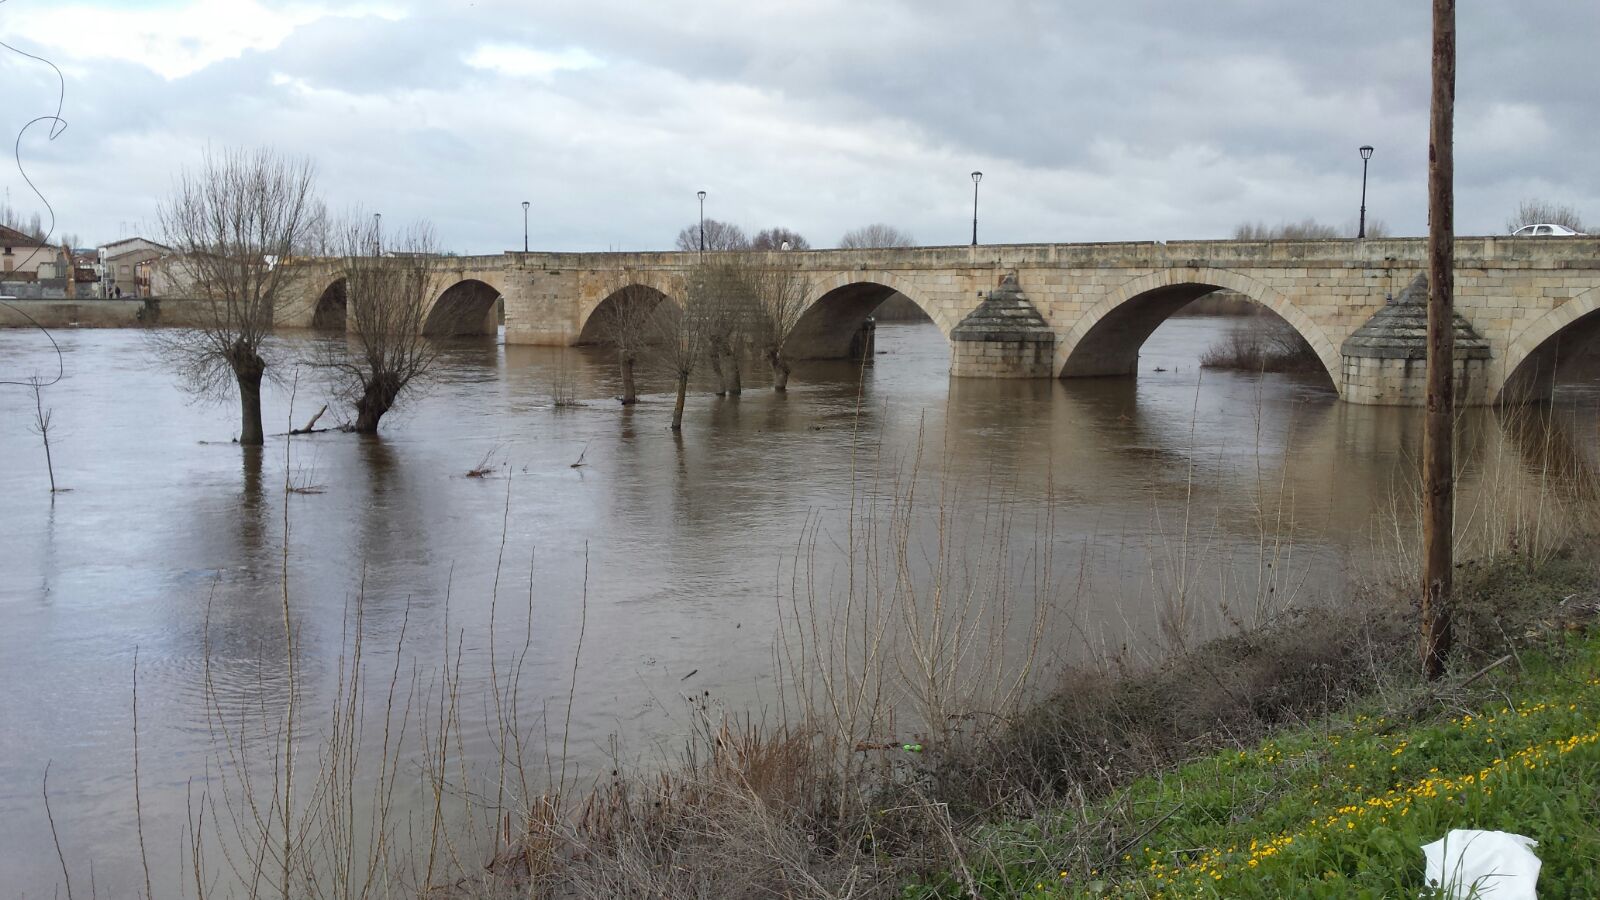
(633,303)
(1527,370)
(464,308)
(330,311)
(838,306)
(1106,338)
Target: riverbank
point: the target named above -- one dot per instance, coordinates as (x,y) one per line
(1303,758)
(1336,805)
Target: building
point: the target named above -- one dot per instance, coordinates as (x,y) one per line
(86,274)
(121,262)
(21,256)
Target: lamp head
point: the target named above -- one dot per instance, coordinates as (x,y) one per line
(700,194)
(525,205)
(977,177)
(1366,152)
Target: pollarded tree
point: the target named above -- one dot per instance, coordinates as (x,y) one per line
(386,305)
(718,236)
(231,223)
(727,311)
(875,235)
(682,343)
(778,294)
(630,321)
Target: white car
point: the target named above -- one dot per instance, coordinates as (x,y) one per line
(1544,230)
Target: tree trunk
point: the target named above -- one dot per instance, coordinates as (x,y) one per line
(629,395)
(780,373)
(248,367)
(731,366)
(716,367)
(377,398)
(677,408)
(1438,508)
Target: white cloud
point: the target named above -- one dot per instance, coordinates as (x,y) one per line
(526,62)
(172,41)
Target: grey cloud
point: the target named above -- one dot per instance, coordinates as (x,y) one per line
(1142,119)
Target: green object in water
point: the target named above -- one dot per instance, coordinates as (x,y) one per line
(911,748)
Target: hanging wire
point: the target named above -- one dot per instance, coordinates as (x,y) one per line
(57,126)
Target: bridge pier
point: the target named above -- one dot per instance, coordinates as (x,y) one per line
(1385,360)
(1005,337)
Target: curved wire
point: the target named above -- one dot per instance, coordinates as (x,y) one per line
(57,126)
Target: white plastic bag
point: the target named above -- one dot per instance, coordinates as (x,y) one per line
(1493,865)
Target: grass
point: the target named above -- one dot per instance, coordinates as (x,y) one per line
(1339,806)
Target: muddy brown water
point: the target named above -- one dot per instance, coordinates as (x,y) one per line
(170,542)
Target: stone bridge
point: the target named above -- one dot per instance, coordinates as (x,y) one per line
(1084,310)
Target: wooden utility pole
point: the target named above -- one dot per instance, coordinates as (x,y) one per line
(1438,476)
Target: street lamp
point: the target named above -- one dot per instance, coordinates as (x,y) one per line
(525,206)
(702,196)
(1361,230)
(377,234)
(976,177)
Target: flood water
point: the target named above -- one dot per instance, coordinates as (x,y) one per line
(669,555)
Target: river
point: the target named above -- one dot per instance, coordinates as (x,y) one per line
(670,555)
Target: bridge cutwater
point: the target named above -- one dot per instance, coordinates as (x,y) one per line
(1084,310)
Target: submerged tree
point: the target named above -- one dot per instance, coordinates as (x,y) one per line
(41,426)
(726,314)
(231,223)
(630,322)
(386,304)
(778,295)
(683,334)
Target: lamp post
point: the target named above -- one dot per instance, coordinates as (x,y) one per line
(525,205)
(377,234)
(976,177)
(1361,230)
(702,196)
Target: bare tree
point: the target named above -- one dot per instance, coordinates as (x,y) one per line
(386,301)
(683,334)
(775,238)
(728,311)
(718,236)
(779,296)
(1307,229)
(41,426)
(630,322)
(1303,230)
(230,223)
(876,235)
(33,226)
(1540,212)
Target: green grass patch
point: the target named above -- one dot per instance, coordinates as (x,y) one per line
(1340,808)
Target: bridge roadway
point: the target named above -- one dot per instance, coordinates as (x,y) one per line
(1091,305)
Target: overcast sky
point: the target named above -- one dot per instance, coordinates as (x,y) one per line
(1134,120)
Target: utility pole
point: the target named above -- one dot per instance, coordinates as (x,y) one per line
(1438,486)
